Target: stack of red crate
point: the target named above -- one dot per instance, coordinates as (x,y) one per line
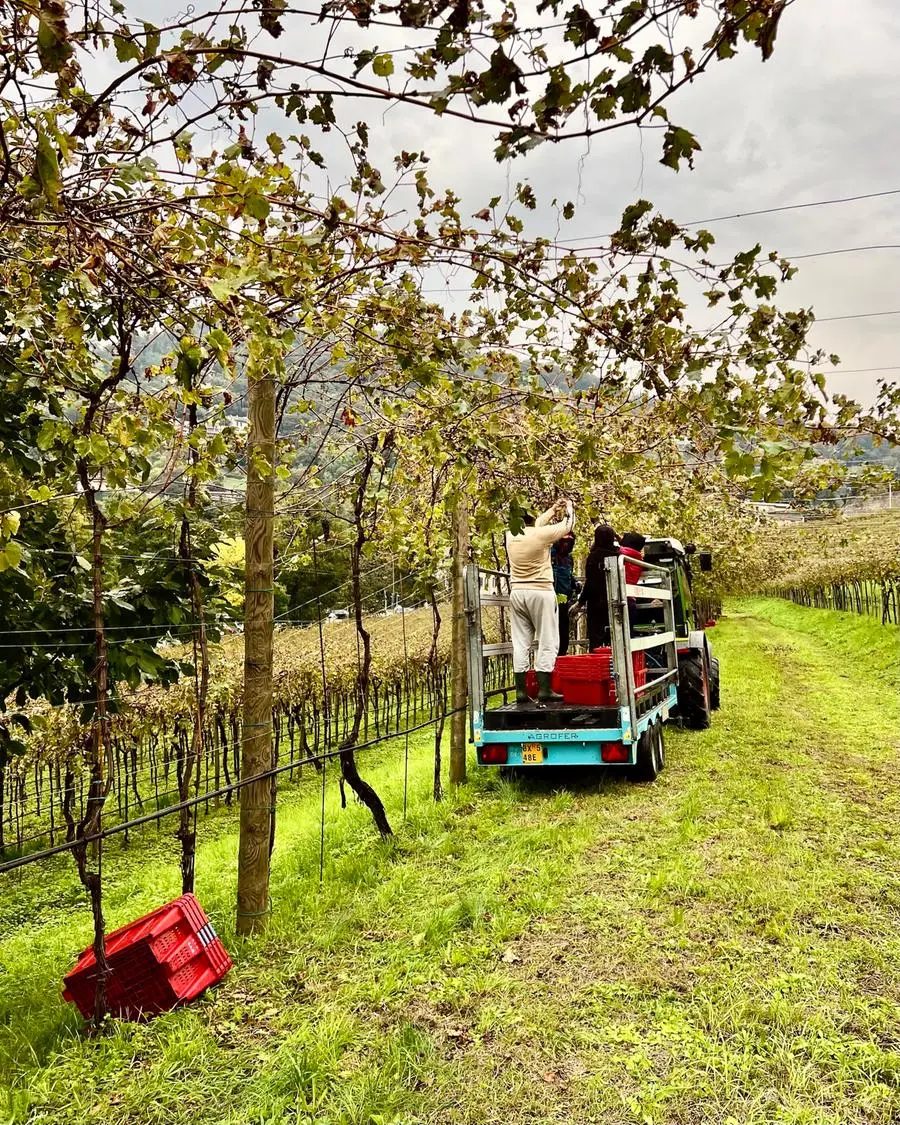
(587,679)
(164,959)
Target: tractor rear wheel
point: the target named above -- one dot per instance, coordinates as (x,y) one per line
(714,694)
(693,691)
(647,764)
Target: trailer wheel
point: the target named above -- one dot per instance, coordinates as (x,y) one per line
(658,731)
(714,694)
(693,691)
(647,764)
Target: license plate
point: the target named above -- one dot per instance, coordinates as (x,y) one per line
(532,754)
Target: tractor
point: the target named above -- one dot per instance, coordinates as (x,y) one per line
(698,669)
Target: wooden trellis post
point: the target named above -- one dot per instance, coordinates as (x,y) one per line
(257,809)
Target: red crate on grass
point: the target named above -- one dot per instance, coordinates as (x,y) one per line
(164,959)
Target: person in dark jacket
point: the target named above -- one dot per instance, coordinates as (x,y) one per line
(565,585)
(633,544)
(594,594)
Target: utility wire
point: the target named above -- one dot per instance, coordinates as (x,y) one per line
(163,630)
(858,370)
(857,316)
(844,250)
(750,214)
(793,207)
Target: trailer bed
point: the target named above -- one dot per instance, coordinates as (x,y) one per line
(561,715)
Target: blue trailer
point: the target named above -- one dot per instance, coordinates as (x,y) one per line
(627,735)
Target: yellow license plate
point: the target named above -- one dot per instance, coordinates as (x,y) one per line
(532,754)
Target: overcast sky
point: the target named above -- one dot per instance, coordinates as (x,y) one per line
(817,121)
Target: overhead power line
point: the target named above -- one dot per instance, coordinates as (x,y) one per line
(762,211)
(858,370)
(857,316)
(845,250)
(793,207)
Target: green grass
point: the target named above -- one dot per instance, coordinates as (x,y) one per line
(718,947)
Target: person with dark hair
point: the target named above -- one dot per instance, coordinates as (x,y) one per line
(534,620)
(564,584)
(594,593)
(633,544)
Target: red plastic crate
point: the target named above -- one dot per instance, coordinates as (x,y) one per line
(166,958)
(586,679)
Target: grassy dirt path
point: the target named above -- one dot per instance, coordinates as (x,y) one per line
(721,946)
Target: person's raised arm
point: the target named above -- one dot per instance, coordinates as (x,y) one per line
(550,517)
(551,532)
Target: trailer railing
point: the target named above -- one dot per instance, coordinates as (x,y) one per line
(622,639)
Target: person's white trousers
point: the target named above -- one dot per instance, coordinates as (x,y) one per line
(535,622)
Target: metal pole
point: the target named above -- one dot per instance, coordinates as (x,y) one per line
(458,661)
(620,643)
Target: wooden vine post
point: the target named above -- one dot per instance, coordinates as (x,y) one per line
(257,808)
(459,686)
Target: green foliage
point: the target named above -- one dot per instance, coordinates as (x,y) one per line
(564,375)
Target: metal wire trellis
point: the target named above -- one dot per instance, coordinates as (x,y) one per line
(231,788)
(150,756)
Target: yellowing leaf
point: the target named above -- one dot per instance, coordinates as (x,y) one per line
(10,557)
(47,168)
(54,48)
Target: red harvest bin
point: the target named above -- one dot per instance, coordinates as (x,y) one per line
(164,959)
(587,679)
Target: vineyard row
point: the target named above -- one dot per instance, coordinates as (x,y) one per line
(150,740)
(874,598)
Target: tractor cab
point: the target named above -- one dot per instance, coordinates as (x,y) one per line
(670,553)
(698,685)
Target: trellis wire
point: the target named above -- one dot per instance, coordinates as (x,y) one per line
(33,791)
(406,695)
(324,704)
(233,787)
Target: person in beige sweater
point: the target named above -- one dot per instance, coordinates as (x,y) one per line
(533,614)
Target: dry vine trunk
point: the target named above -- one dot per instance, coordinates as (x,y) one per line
(442,707)
(459,687)
(349,771)
(187,831)
(100,776)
